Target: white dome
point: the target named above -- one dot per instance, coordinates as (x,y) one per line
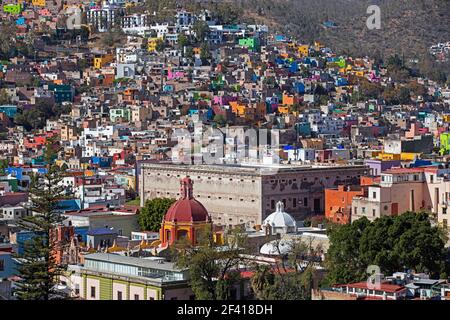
(280,219)
(276,247)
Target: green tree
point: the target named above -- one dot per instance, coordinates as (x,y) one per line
(4,97)
(394,243)
(8,43)
(220,119)
(52,147)
(205,53)
(38,270)
(200,29)
(182,40)
(4,163)
(287,280)
(212,271)
(151,215)
(160,45)
(343,260)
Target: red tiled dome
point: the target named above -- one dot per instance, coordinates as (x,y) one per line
(187,209)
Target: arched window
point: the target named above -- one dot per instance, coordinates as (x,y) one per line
(182,234)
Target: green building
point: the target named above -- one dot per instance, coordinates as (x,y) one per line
(12,8)
(117,114)
(250,43)
(106,276)
(12,182)
(444,143)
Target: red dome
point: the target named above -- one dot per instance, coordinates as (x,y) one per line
(187,209)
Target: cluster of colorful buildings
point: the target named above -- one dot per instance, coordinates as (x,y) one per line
(114,114)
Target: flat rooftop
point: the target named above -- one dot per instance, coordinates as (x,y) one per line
(132,261)
(254,169)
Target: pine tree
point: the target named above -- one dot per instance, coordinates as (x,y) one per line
(38,270)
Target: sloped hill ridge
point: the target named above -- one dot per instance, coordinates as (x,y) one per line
(408,27)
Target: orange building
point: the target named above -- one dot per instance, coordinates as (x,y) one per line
(61,237)
(338,203)
(289,100)
(186,219)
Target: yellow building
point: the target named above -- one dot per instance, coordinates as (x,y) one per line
(388,156)
(446,117)
(238,108)
(101,60)
(283,109)
(303,50)
(152,43)
(38,3)
(408,156)
(318,45)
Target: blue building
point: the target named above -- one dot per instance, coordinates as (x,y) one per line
(62,92)
(102,162)
(299,87)
(69,205)
(9,109)
(7,265)
(303,128)
(23,236)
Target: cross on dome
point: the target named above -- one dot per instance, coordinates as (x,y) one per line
(280,206)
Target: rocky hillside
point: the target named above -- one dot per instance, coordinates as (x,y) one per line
(408,27)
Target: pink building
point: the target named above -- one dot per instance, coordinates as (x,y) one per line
(407,189)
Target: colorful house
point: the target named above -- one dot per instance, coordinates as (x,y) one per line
(250,43)
(444,141)
(338,203)
(9,110)
(101,60)
(152,43)
(12,8)
(62,92)
(38,3)
(303,50)
(120,113)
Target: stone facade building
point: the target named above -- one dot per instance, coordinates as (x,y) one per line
(235,194)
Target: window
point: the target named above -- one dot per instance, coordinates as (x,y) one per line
(136,297)
(92,292)
(294,202)
(374,195)
(305,202)
(272,204)
(373,212)
(119,295)
(356,210)
(363,209)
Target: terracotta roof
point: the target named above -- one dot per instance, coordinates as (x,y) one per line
(404,170)
(383,286)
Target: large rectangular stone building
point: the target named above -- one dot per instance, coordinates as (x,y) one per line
(247,194)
